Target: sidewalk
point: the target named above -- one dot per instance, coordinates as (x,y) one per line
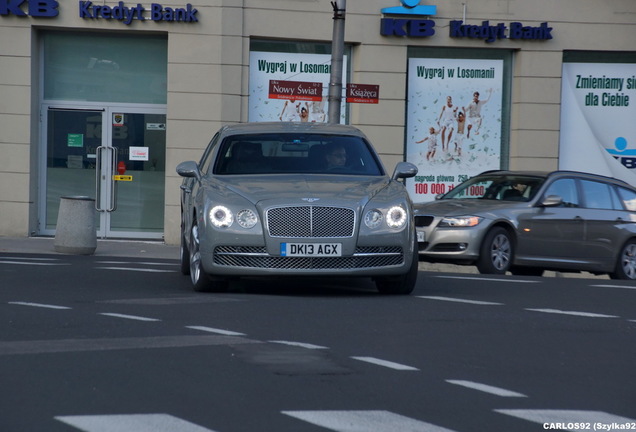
(118,248)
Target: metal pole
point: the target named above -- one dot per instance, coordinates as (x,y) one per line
(337,53)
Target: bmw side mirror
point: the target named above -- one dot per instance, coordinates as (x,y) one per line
(552,201)
(189,169)
(404,170)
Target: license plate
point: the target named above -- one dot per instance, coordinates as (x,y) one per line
(311,249)
(421,236)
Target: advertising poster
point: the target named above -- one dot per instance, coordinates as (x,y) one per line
(453,122)
(598,119)
(291,87)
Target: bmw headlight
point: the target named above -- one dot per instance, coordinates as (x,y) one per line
(246,218)
(221,216)
(460,222)
(396,217)
(373,218)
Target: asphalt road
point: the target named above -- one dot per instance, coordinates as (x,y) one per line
(109,343)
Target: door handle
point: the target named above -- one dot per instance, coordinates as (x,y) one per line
(111,152)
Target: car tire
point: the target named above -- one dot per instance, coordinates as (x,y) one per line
(200,280)
(626,263)
(496,252)
(184,255)
(402,284)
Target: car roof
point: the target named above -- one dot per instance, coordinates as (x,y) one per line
(290,127)
(559,173)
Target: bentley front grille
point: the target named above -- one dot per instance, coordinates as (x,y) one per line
(310,222)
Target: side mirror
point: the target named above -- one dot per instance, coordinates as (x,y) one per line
(404,170)
(189,169)
(552,201)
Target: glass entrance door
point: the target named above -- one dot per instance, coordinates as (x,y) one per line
(115,155)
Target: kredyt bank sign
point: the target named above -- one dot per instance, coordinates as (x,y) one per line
(412,24)
(89,10)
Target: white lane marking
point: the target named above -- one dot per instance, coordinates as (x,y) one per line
(596,419)
(451,299)
(573,313)
(27,258)
(131,317)
(487,388)
(215,330)
(136,269)
(298,344)
(615,286)
(48,306)
(151,263)
(385,363)
(131,422)
(34,263)
(364,421)
(502,279)
(87,345)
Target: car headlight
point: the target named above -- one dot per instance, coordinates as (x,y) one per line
(373,218)
(460,222)
(246,218)
(221,216)
(396,217)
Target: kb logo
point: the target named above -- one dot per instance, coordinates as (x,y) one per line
(35,8)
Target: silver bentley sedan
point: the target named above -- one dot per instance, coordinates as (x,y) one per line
(296,199)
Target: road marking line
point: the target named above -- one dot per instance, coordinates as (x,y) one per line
(48,306)
(385,363)
(567,416)
(615,286)
(573,313)
(34,263)
(132,317)
(364,421)
(502,279)
(487,388)
(131,422)
(298,344)
(136,269)
(153,263)
(451,299)
(215,330)
(113,344)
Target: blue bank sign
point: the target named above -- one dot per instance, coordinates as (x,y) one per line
(412,24)
(89,10)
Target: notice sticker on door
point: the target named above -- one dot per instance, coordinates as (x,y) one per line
(118,120)
(138,153)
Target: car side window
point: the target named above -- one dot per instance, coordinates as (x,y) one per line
(628,198)
(597,195)
(566,189)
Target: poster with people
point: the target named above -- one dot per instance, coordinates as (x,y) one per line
(453,122)
(282,87)
(598,113)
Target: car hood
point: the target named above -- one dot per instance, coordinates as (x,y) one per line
(309,188)
(459,207)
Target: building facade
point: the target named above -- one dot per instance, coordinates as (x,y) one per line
(104,99)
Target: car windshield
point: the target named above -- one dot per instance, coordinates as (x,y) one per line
(296,154)
(497,187)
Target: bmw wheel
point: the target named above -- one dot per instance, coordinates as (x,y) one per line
(495,255)
(626,264)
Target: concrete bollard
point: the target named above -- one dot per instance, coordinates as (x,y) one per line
(76,231)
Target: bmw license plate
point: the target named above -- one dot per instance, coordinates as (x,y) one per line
(311,249)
